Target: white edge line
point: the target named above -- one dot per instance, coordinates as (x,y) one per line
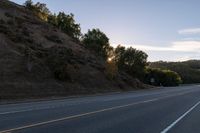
(75,116)
(26,110)
(180,118)
(36,109)
(85,114)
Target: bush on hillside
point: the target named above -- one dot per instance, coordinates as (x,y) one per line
(63,21)
(57,61)
(39,8)
(188,70)
(160,77)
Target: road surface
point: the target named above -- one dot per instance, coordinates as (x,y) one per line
(165,110)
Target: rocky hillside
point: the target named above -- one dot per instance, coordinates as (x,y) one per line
(38,60)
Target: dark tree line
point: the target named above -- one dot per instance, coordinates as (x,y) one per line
(159,77)
(188,70)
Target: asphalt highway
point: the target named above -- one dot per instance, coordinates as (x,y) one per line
(164,110)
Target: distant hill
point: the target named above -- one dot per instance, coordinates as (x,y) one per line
(38,60)
(188,70)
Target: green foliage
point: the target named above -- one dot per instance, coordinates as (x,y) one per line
(97,41)
(39,8)
(52,19)
(162,77)
(67,24)
(131,60)
(188,70)
(63,21)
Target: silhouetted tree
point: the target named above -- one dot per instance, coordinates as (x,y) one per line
(29,4)
(119,53)
(131,60)
(97,41)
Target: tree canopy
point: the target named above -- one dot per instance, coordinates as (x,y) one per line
(39,8)
(97,41)
(63,21)
(67,23)
(131,60)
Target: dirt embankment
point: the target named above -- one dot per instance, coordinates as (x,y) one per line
(35,55)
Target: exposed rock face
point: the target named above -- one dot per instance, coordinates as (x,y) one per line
(38,60)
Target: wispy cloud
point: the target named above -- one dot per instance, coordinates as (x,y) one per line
(190,46)
(190,31)
(179,46)
(151,48)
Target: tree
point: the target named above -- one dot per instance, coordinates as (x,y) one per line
(67,24)
(119,53)
(131,60)
(63,21)
(29,4)
(97,41)
(40,9)
(43,11)
(52,19)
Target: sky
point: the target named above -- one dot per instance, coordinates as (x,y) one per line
(166,30)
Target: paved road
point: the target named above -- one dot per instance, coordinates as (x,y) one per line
(165,110)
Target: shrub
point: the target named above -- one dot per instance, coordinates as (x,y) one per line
(2,21)
(54,38)
(40,9)
(4,29)
(57,61)
(10,22)
(7,14)
(162,77)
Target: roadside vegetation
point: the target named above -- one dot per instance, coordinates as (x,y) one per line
(120,59)
(188,70)
(159,77)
